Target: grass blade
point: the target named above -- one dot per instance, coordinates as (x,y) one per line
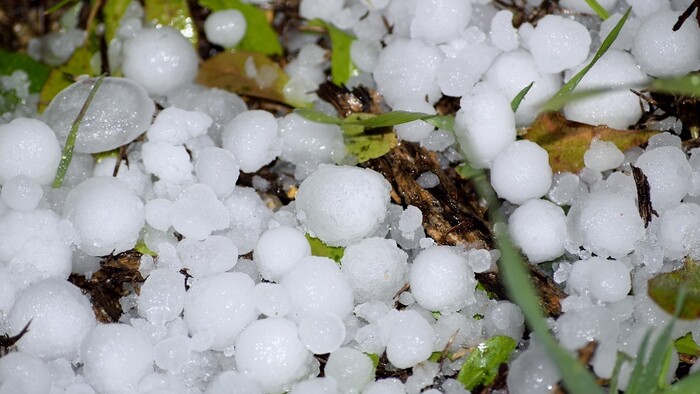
(520,96)
(689,384)
(688,85)
(58,6)
(554,104)
(637,375)
(620,359)
(598,9)
(317,116)
(67,155)
(387,119)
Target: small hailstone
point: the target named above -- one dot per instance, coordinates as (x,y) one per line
(504,318)
(664,139)
(173,353)
(605,280)
(159,59)
(322,9)
(456,329)
(115,357)
(441,280)
(668,172)
(222,304)
(428,180)
(175,126)
(168,162)
(352,369)
(532,372)
(324,385)
(119,112)
(407,70)
(418,129)
(538,227)
(439,21)
(157,213)
(28,147)
(503,35)
(197,212)
(679,53)
(21,193)
(107,215)
(221,105)
(406,298)
(278,250)
(521,172)
(603,156)
(271,299)
(232,382)
(410,338)
(678,224)
(385,386)
(376,269)
(162,296)
(316,285)
(321,333)
(411,219)
(365,53)
(215,254)
(269,351)
(22,373)
(341,205)
(249,217)
(51,305)
(559,43)
(253,139)
(132,175)
(456,76)
(578,327)
(371,311)
(225,28)
(485,124)
(423,375)
(566,188)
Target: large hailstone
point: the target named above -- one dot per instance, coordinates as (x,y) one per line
(538,227)
(160,59)
(376,268)
(662,52)
(669,174)
(107,215)
(253,139)
(559,43)
(119,112)
(28,147)
(521,172)
(439,21)
(341,205)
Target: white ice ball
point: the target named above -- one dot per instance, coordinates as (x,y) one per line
(602,156)
(160,59)
(376,268)
(176,126)
(168,162)
(351,368)
(504,318)
(232,382)
(418,129)
(410,339)
(559,43)
(679,225)
(532,372)
(341,205)
(51,305)
(272,300)
(162,296)
(218,169)
(278,250)
(606,280)
(225,28)
(253,139)
(439,21)
(668,171)
(521,172)
(270,352)
(107,215)
(221,304)
(22,373)
(28,147)
(21,193)
(456,76)
(441,280)
(115,357)
(197,212)
(538,227)
(503,34)
(215,254)
(662,52)
(321,333)
(323,9)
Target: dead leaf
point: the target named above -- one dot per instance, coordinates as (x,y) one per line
(566,141)
(643,196)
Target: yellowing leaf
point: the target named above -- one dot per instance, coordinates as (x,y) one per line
(664,289)
(175,13)
(80,63)
(370,145)
(112,12)
(566,141)
(318,248)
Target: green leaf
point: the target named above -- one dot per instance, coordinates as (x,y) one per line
(515,103)
(481,366)
(58,6)
(175,13)
(143,249)
(374,358)
(317,116)
(112,13)
(688,385)
(60,78)
(368,146)
(467,172)
(598,9)
(8,100)
(67,155)
(568,88)
(259,35)
(664,290)
(342,67)
(36,72)
(369,121)
(687,85)
(318,248)
(686,345)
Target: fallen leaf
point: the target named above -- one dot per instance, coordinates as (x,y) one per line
(369,145)
(664,289)
(318,248)
(566,141)
(175,13)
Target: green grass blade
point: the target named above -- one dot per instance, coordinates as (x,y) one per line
(637,376)
(317,116)
(58,6)
(520,96)
(598,9)
(342,67)
(67,155)
(387,119)
(619,360)
(658,363)
(554,103)
(687,85)
(688,385)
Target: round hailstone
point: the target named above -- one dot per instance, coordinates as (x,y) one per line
(678,225)
(385,386)
(252,138)
(351,368)
(22,373)
(341,205)
(316,285)
(119,112)
(157,213)
(504,318)
(532,372)
(521,172)
(162,296)
(269,351)
(559,43)
(51,305)
(159,59)
(407,70)
(197,212)
(439,21)
(418,129)
(605,223)
(441,280)
(669,175)
(315,386)
(376,268)
(278,250)
(176,126)
(410,339)
(503,35)
(605,280)
(602,156)
(626,36)
(617,109)
(456,76)
(323,9)
(512,71)
(168,162)
(578,327)
(538,228)
(365,53)
(216,254)
(321,333)
(21,193)
(485,124)
(232,382)
(221,304)
(662,52)
(115,357)
(225,28)
(107,215)
(272,300)
(28,147)
(218,169)
(249,217)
